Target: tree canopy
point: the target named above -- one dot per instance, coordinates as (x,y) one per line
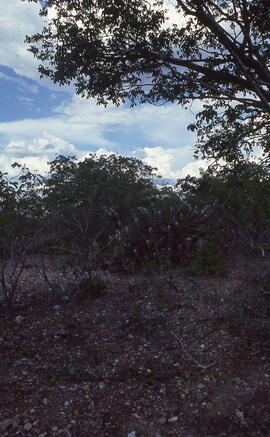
(129,50)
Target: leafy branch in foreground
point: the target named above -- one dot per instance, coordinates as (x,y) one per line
(218,53)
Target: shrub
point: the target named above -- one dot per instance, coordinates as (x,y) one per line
(208,259)
(90,287)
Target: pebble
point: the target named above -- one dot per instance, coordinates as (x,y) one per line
(101,385)
(27,427)
(162,420)
(253,394)
(19,320)
(173,419)
(240,414)
(132,434)
(5,424)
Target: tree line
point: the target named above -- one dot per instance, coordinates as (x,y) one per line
(111,210)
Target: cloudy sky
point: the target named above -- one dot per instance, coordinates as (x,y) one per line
(39,120)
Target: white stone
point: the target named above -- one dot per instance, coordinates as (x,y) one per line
(173,419)
(27,427)
(5,424)
(19,320)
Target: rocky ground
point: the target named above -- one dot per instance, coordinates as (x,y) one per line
(150,355)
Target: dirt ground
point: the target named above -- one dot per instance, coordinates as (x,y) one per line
(149,356)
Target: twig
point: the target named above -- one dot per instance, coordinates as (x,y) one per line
(259,352)
(201,366)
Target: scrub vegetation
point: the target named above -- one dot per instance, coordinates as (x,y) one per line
(109,213)
(131,307)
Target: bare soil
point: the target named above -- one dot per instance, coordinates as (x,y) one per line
(150,356)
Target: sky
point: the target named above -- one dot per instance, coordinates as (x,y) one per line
(39,119)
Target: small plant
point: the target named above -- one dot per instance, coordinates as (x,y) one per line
(208,260)
(171,283)
(252,312)
(90,287)
(12,264)
(150,266)
(262,283)
(135,322)
(233,318)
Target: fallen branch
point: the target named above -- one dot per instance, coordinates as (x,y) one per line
(259,352)
(201,366)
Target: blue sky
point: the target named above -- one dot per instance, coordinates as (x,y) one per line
(39,119)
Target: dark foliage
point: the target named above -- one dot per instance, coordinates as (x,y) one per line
(128,50)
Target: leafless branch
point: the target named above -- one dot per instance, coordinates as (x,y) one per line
(201,366)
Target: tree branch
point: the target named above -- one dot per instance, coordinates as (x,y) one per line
(201,366)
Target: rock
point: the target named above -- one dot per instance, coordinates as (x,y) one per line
(72,371)
(162,420)
(19,320)
(5,424)
(27,427)
(101,385)
(173,419)
(253,394)
(240,415)
(132,434)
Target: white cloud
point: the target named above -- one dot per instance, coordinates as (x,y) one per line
(174,16)
(35,155)
(160,158)
(74,133)
(170,162)
(193,168)
(165,125)
(35,164)
(22,84)
(18,19)
(26,100)
(47,145)
(80,126)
